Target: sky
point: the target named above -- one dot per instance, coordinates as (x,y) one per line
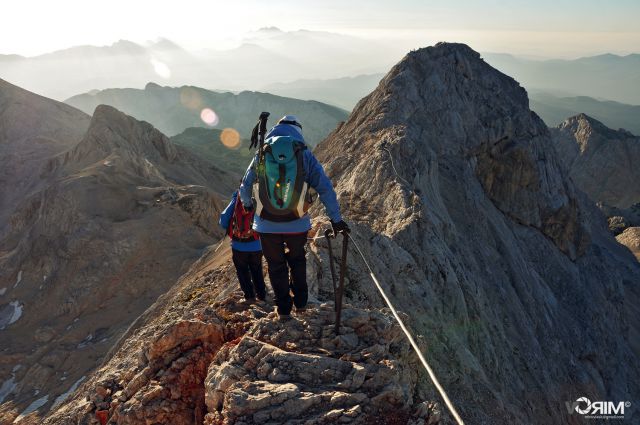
(545,28)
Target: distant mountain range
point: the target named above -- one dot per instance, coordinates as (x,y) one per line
(343,92)
(173,109)
(606,76)
(267,58)
(555,109)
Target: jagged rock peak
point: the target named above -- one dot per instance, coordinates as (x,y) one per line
(111,129)
(442,79)
(602,161)
(444,103)
(583,125)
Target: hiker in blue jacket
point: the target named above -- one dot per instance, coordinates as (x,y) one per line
(283,242)
(246,250)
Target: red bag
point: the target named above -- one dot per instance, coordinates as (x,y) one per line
(240,225)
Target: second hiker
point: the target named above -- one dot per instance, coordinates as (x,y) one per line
(282,171)
(246,249)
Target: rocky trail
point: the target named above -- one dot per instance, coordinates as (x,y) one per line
(203,357)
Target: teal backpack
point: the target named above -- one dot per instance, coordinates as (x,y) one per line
(281,192)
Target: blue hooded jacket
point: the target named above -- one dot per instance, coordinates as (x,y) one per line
(225,219)
(314,176)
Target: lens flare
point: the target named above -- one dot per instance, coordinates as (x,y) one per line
(190,98)
(161,68)
(230,138)
(209,117)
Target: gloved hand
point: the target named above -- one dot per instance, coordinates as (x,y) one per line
(340,226)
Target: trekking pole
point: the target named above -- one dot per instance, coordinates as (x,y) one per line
(343,272)
(262,130)
(328,234)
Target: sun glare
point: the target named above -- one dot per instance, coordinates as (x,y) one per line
(161,68)
(209,117)
(230,138)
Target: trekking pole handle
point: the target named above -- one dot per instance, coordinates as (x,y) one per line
(263,123)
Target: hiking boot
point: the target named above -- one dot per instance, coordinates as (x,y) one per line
(301,310)
(247,301)
(284,317)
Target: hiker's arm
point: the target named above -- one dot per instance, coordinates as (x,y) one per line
(225,216)
(318,180)
(247,184)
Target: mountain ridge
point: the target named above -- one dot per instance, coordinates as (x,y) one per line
(110,221)
(519,296)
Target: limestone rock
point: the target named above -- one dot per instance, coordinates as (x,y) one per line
(602,162)
(301,372)
(458,199)
(631,239)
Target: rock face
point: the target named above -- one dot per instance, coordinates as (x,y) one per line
(464,208)
(602,162)
(174,109)
(631,239)
(105,227)
(32,129)
(517,293)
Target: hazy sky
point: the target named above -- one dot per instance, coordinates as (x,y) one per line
(553,28)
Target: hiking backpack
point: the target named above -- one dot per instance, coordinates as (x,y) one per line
(281,192)
(240,224)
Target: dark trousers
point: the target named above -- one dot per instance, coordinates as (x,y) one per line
(285,251)
(249,269)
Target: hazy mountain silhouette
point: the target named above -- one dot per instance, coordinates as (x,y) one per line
(272,56)
(344,92)
(66,72)
(173,109)
(605,76)
(552,109)
(261,57)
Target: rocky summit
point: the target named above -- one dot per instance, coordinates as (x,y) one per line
(101,226)
(507,275)
(602,162)
(464,208)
